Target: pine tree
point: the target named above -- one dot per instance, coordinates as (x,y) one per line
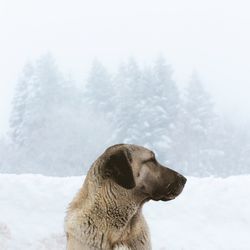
(197,146)
(19,105)
(40,113)
(163,104)
(44,90)
(148,103)
(127,83)
(145,108)
(36,101)
(99,92)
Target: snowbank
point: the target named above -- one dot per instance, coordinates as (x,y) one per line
(211,214)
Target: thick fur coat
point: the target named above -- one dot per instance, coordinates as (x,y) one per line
(106,214)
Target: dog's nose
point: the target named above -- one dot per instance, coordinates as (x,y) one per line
(182,179)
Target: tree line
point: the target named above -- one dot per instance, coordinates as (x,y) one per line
(59,128)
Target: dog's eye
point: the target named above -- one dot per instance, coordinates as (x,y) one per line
(152,159)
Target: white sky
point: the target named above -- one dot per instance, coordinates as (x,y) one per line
(211,36)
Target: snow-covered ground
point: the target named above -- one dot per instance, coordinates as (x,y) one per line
(211,213)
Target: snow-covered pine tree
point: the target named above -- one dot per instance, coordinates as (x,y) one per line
(126,116)
(148,104)
(164,105)
(145,109)
(99,91)
(19,105)
(197,152)
(42,103)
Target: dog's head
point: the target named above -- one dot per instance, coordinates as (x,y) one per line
(136,168)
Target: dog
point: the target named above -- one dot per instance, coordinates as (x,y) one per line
(106,213)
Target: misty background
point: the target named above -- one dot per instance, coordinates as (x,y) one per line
(77,77)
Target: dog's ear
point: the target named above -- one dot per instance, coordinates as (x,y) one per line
(118,167)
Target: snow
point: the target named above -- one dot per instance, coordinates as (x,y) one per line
(211,213)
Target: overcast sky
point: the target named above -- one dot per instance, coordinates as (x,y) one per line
(212,37)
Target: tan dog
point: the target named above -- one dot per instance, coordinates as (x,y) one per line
(106,212)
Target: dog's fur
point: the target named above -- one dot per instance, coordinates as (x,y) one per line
(106,212)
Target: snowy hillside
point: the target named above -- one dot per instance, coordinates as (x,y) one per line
(211,214)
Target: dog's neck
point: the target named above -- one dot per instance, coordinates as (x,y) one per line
(104,216)
(113,211)
(112,215)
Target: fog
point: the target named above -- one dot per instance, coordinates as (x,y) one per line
(208,37)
